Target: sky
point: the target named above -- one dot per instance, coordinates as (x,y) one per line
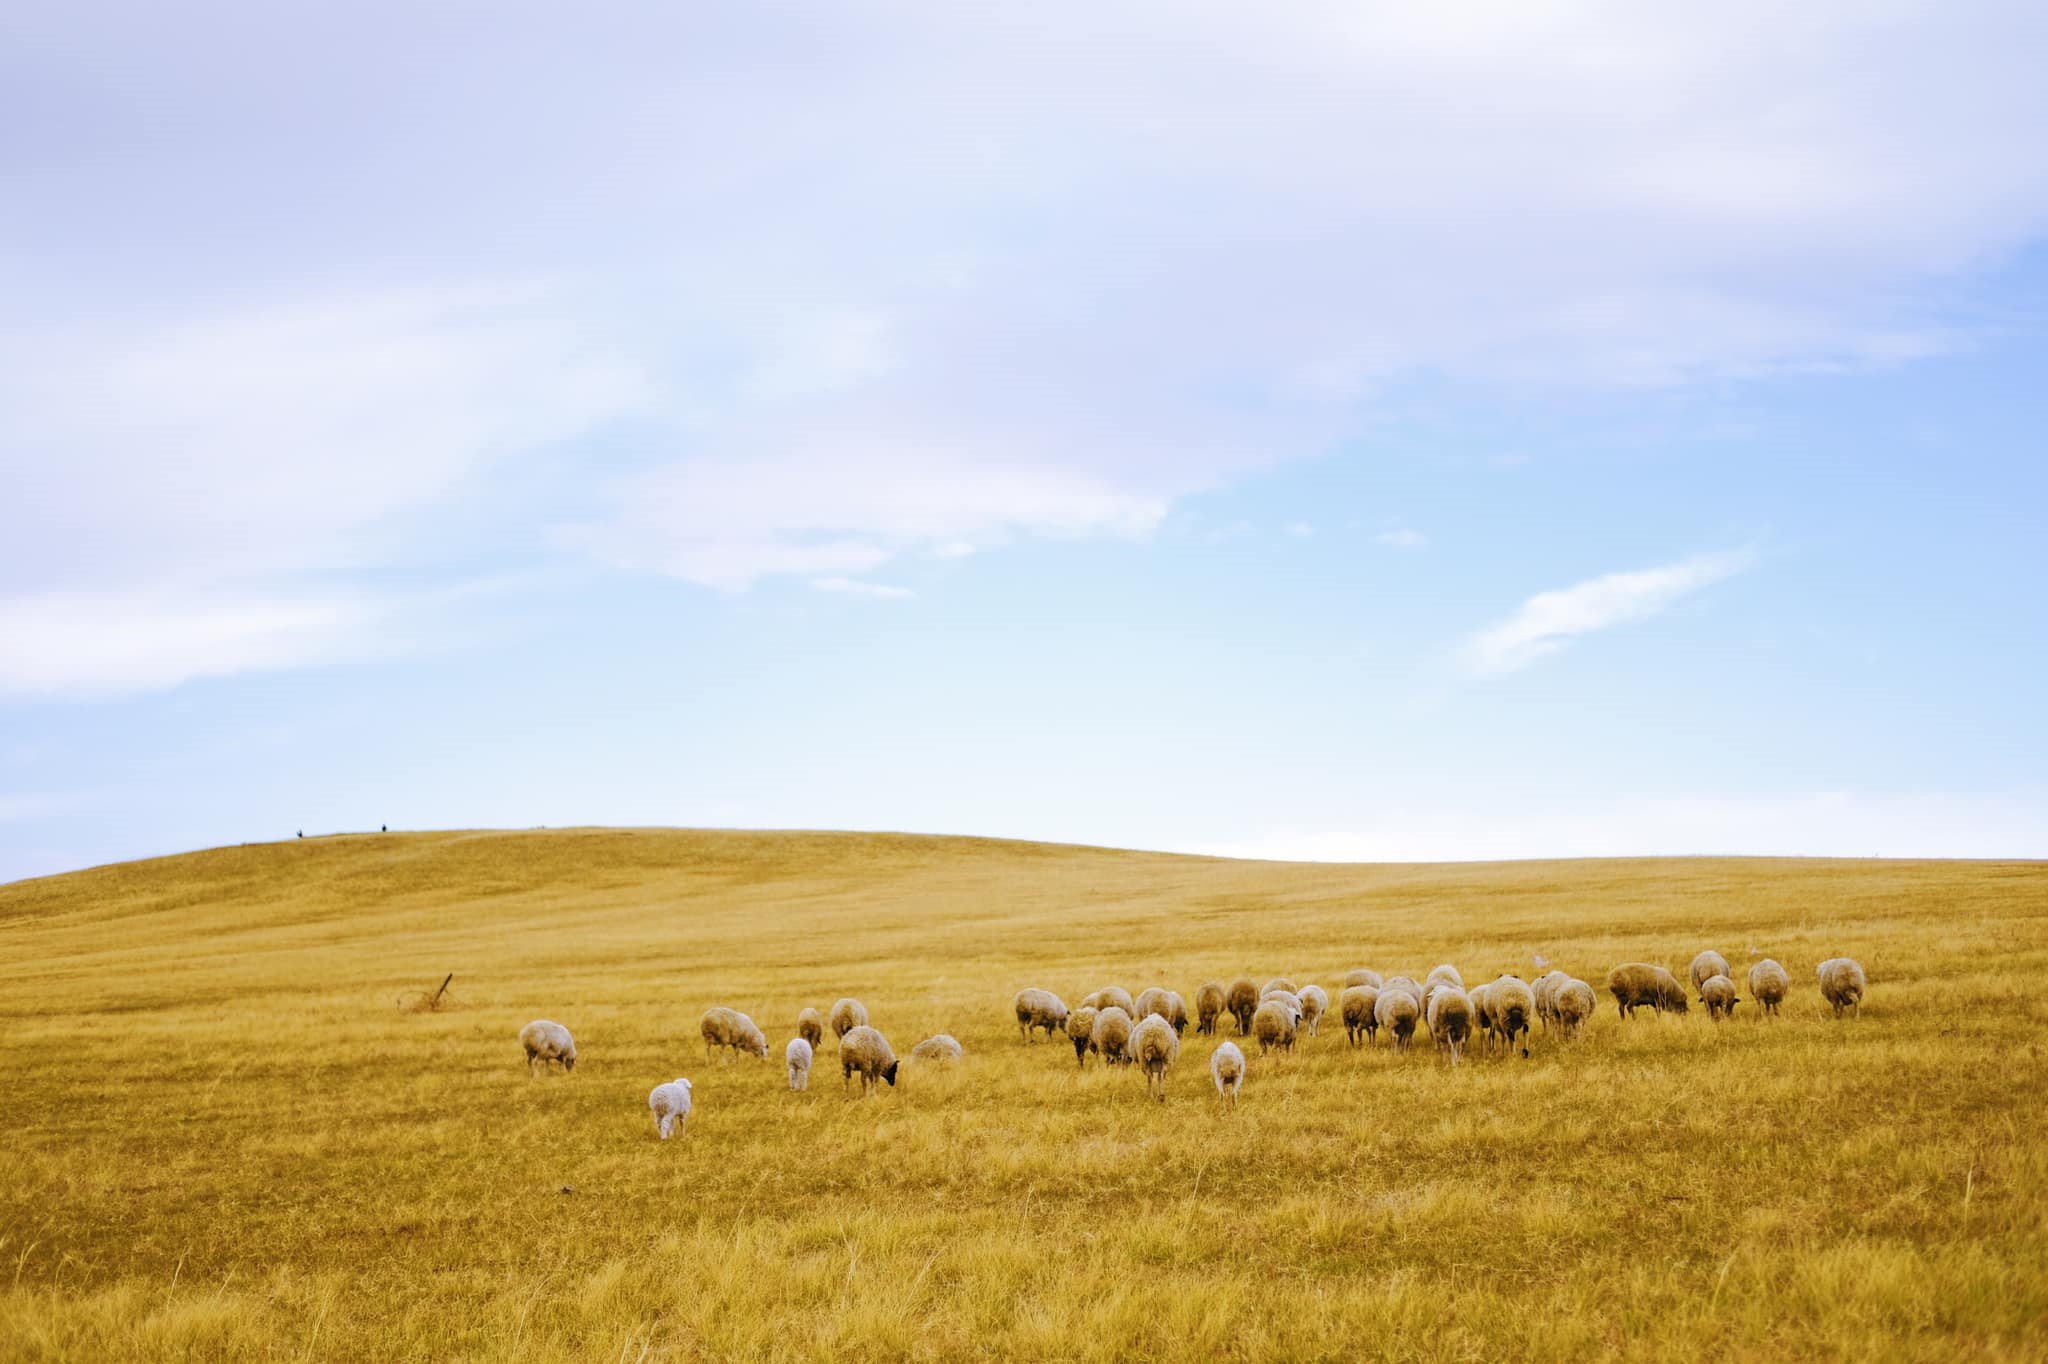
(1338,431)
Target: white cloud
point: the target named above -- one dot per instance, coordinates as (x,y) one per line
(1808,824)
(856,587)
(1549,621)
(1401,539)
(842,329)
(72,644)
(1301,530)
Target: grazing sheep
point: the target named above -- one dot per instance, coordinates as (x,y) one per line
(1209,997)
(729,1028)
(797,1056)
(1111,1032)
(937,1047)
(1226,1065)
(1290,1002)
(544,1042)
(1513,1006)
(1482,1013)
(671,1105)
(1573,1005)
(1718,994)
(1273,1025)
(1450,1017)
(1152,1000)
(1408,983)
(1081,1032)
(847,1015)
(1241,1002)
(1706,966)
(810,1025)
(1277,984)
(1356,1004)
(1638,984)
(863,1049)
(1112,997)
(1842,984)
(1040,1009)
(1315,1002)
(1397,1010)
(1768,985)
(1178,1012)
(1154,1045)
(1545,988)
(1362,976)
(1438,978)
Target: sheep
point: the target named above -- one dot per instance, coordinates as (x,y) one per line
(1242,1001)
(797,1056)
(938,1047)
(1273,1025)
(1154,1045)
(1706,966)
(1768,985)
(1111,1032)
(723,1027)
(1356,1004)
(1638,984)
(1438,978)
(1226,1066)
(1315,1002)
(1545,988)
(1842,984)
(1397,1009)
(544,1042)
(1037,1009)
(1154,1000)
(671,1106)
(1290,1002)
(847,1015)
(1573,1005)
(1081,1032)
(1179,1012)
(810,1025)
(1209,997)
(1482,1013)
(1512,1004)
(1362,976)
(1718,994)
(1450,1017)
(863,1049)
(1408,983)
(1277,984)
(1112,997)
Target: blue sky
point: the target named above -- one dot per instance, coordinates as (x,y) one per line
(1333,432)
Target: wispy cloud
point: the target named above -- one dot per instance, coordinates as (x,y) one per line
(856,587)
(1401,539)
(1549,621)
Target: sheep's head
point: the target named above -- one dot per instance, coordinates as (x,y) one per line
(759,1046)
(889,1072)
(569,1060)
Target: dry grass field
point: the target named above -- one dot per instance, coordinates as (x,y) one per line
(223,1139)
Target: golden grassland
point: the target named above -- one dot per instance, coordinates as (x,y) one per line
(224,1139)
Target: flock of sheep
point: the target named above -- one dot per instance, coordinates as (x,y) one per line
(1145,1031)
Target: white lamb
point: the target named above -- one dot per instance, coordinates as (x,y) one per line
(671,1105)
(798,1057)
(1227,1066)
